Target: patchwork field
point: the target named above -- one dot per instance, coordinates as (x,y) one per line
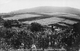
(49,18)
(22,16)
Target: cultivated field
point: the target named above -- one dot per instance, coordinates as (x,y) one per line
(21,16)
(50,18)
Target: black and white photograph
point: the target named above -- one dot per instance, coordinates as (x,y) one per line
(39,25)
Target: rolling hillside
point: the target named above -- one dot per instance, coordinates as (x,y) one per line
(46,15)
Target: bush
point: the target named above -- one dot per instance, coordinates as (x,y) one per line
(11,23)
(36,27)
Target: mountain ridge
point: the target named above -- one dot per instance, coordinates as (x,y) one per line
(49,9)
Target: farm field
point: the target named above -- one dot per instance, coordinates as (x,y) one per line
(45,20)
(21,16)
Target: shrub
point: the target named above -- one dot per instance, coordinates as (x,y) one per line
(36,27)
(11,23)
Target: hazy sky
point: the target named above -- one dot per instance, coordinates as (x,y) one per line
(11,5)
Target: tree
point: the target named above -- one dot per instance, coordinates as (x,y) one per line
(36,27)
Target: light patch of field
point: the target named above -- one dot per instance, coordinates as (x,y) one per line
(69,21)
(46,21)
(52,20)
(16,17)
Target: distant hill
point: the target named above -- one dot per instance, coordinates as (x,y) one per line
(48,9)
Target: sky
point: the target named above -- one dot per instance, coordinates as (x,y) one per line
(13,5)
